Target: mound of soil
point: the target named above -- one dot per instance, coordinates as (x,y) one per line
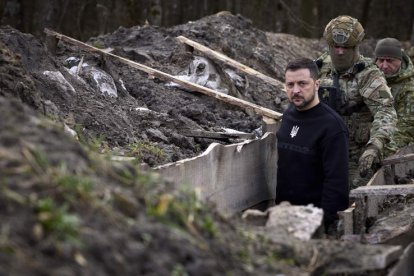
(149,118)
(67,212)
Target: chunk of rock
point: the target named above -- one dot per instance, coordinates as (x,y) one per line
(301,222)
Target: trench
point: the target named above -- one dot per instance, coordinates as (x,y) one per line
(240,176)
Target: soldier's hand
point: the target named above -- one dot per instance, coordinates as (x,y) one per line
(369,159)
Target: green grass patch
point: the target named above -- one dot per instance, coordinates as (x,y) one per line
(57,221)
(141,150)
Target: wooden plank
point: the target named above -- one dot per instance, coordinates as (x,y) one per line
(347,217)
(217,135)
(270,125)
(360,215)
(377,178)
(164,76)
(216,55)
(382,190)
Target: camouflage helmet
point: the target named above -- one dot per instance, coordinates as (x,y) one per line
(344,31)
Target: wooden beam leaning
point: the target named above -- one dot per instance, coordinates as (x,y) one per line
(216,55)
(164,76)
(217,135)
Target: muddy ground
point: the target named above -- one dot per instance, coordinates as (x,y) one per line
(65,210)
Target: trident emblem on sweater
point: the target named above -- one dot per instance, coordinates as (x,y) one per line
(294,131)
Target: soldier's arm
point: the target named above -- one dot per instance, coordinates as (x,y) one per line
(377,96)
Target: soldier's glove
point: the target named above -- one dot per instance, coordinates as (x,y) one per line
(370,159)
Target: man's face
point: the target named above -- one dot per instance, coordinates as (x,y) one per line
(342,57)
(301,89)
(388,65)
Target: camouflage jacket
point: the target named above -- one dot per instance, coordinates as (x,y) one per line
(363,99)
(402,89)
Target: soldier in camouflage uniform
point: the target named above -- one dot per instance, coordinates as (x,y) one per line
(392,60)
(353,86)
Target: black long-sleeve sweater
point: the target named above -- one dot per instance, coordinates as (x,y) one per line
(313,160)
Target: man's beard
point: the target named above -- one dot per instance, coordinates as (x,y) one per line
(304,103)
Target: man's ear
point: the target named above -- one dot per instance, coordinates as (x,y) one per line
(317,84)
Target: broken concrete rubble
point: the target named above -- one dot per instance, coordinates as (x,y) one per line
(282,222)
(300,222)
(396,227)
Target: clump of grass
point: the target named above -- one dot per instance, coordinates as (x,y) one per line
(55,183)
(98,44)
(74,187)
(57,221)
(182,209)
(142,150)
(95,143)
(179,270)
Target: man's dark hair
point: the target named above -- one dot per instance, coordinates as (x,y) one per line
(304,63)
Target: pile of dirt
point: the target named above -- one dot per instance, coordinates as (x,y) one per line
(149,118)
(65,211)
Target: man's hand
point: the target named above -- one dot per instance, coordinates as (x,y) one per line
(370,158)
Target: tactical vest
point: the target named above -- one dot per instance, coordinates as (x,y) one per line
(333,94)
(342,93)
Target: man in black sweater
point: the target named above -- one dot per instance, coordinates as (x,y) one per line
(312,146)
